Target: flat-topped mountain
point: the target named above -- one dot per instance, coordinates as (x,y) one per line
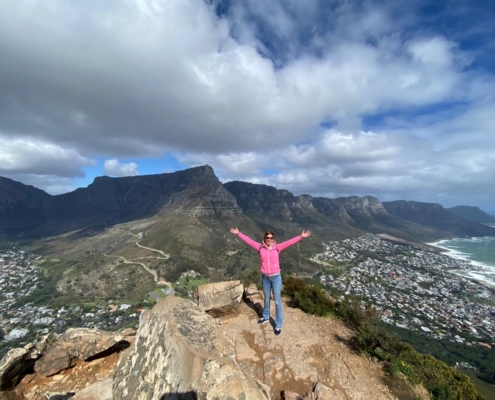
(197,192)
(472,214)
(109,201)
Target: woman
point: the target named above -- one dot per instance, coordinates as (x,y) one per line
(270,271)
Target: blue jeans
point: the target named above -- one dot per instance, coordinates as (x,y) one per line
(275,283)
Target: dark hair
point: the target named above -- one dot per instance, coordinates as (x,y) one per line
(269,233)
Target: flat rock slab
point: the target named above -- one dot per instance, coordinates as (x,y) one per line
(177,352)
(220,298)
(101,390)
(310,349)
(82,343)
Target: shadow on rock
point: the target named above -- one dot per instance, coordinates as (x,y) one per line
(180,396)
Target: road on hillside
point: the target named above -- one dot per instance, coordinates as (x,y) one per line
(149,248)
(153,273)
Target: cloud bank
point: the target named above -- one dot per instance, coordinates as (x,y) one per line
(341,98)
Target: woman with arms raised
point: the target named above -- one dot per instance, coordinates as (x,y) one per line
(271,279)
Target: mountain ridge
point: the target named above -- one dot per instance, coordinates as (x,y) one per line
(472,214)
(197,192)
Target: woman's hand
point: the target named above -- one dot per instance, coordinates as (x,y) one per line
(235,231)
(304,234)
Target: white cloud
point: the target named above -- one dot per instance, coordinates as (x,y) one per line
(245,93)
(169,73)
(116,168)
(27,155)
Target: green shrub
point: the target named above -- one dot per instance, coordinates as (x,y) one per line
(253,276)
(311,299)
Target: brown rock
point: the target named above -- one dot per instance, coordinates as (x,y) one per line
(15,364)
(321,392)
(251,290)
(253,298)
(53,361)
(12,395)
(46,341)
(101,390)
(310,349)
(82,343)
(291,396)
(177,352)
(220,298)
(128,332)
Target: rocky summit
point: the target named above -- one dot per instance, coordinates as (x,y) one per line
(180,351)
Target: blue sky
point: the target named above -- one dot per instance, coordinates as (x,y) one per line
(394,99)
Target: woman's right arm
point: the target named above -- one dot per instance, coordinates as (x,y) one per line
(255,245)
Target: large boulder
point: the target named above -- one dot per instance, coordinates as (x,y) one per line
(12,395)
(101,390)
(319,392)
(14,365)
(220,298)
(178,353)
(77,343)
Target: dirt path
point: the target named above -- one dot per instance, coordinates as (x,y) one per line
(153,273)
(165,256)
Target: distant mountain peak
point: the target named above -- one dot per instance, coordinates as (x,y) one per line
(472,213)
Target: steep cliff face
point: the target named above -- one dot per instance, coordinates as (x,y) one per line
(193,192)
(330,208)
(15,196)
(361,206)
(262,200)
(269,204)
(268,201)
(197,192)
(20,205)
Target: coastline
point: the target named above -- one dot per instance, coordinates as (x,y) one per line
(475,269)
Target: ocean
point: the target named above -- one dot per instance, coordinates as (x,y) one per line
(479,251)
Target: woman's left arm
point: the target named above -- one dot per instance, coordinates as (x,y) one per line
(290,242)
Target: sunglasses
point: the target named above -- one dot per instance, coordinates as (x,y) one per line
(269,237)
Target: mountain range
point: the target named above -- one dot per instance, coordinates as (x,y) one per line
(198,193)
(187,215)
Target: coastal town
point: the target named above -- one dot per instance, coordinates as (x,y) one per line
(24,322)
(413,288)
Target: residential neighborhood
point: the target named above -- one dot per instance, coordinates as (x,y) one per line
(414,288)
(21,321)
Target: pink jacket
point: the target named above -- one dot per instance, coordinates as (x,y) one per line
(269,255)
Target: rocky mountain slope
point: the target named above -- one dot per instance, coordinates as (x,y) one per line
(348,216)
(472,214)
(109,201)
